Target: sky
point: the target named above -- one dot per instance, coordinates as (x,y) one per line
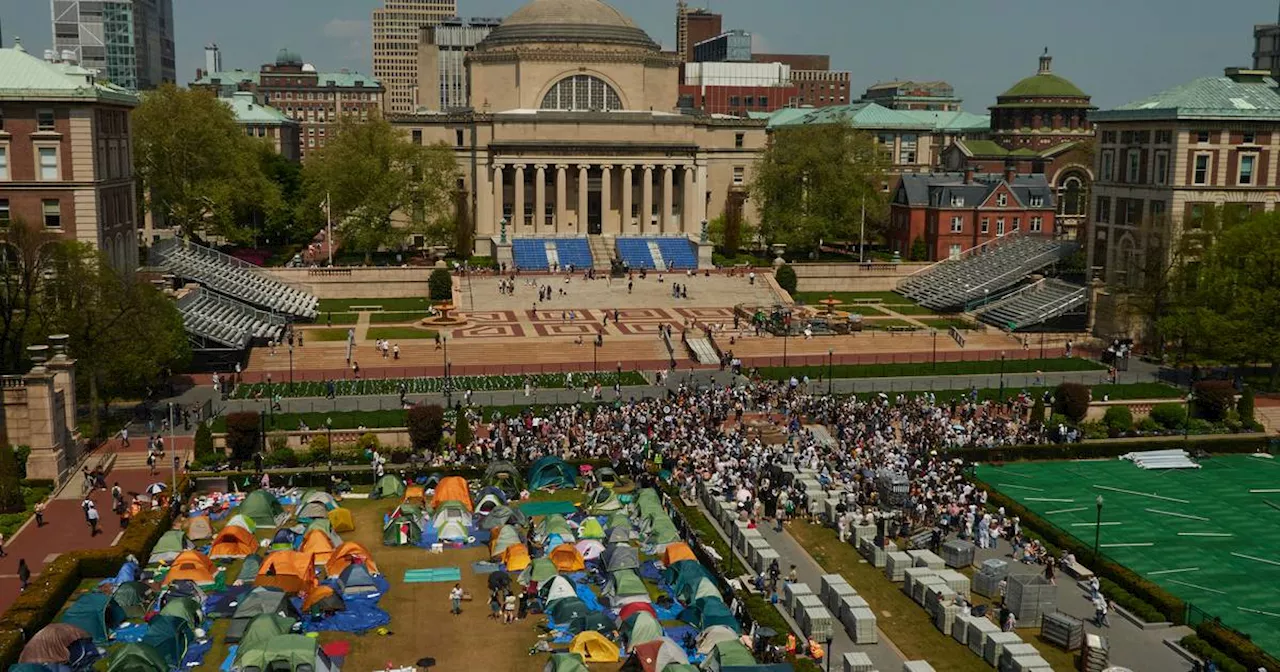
(1115,50)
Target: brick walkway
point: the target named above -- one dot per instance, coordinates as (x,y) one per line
(65,528)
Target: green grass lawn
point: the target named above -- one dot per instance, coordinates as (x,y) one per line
(334,334)
(886,323)
(371,419)
(344,319)
(930,369)
(391,386)
(1121,392)
(395,318)
(401,333)
(909,309)
(391,305)
(944,323)
(812,298)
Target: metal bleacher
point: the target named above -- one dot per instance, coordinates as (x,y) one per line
(677,253)
(213,319)
(232,278)
(573,252)
(530,254)
(634,252)
(1035,304)
(983,274)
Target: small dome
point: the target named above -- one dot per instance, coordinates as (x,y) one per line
(286,57)
(1044,85)
(589,21)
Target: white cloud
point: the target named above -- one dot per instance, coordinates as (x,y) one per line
(347,28)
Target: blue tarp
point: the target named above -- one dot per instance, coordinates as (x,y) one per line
(360,616)
(588,598)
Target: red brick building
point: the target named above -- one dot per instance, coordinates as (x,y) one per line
(953,212)
(736,100)
(66,155)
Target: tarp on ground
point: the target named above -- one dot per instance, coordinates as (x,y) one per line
(186,608)
(516,558)
(591,529)
(170,636)
(52,644)
(265,626)
(256,602)
(589,548)
(341,520)
(95,614)
(712,635)
(290,571)
(556,588)
(539,570)
(567,558)
(709,611)
(621,556)
(551,472)
(233,543)
(262,507)
(239,520)
(349,553)
(564,662)
(137,657)
(388,487)
(728,654)
(639,628)
(502,515)
(594,648)
(501,539)
(170,546)
(623,583)
(134,597)
(198,528)
(452,489)
(676,552)
(655,656)
(356,579)
(192,566)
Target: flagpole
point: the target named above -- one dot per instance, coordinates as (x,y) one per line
(328,215)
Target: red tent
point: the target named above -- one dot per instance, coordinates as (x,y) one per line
(629,609)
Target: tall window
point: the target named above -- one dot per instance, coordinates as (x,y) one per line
(1162,168)
(48,163)
(52,214)
(4,163)
(1132,166)
(1037,224)
(907,149)
(957,224)
(1246,168)
(1107,158)
(986,225)
(582,92)
(999,226)
(1202,169)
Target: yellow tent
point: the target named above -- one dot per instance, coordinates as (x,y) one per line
(594,648)
(516,557)
(340,520)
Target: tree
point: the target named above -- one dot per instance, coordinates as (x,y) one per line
(1071,400)
(203,441)
(272,218)
(24,257)
(10,484)
(813,181)
(440,285)
(786,277)
(462,435)
(244,436)
(1037,411)
(198,168)
(374,176)
(124,333)
(464,236)
(425,425)
(1245,407)
(919,250)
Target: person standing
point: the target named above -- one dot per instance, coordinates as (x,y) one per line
(455,599)
(509,608)
(92,516)
(24,574)
(124,436)
(2,553)
(39,511)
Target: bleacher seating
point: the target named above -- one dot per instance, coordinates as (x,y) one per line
(677,253)
(218,319)
(634,252)
(573,252)
(232,277)
(1037,303)
(530,254)
(983,274)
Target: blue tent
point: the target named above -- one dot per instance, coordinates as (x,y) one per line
(551,472)
(709,611)
(356,579)
(96,614)
(170,636)
(128,572)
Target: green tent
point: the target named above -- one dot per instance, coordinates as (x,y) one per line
(137,658)
(320,524)
(590,529)
(685,575)
(134,597)
(602,501)
(624,583)
(504,475)
(170,636)
(540,570)
(551,472)
(260,600)
(647,500)
(249,570)
(402,529)
(729,653)
(388,487)
(185,608)
(264,627)
(663,532)
(566,609)
(283,652)
(619,519)
(565,662)
(502,515)
(239,520)
(96,614)
(262,508)
(640,627)
(696,589)
(679,667)
(503,538)
(709,611)
(594,620)
(170,546)
(555,524)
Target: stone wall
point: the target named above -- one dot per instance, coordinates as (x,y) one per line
(357,283)
(39,412)
(852,277)
(388,437)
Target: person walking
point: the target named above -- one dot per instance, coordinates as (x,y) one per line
(455,599)
(509,608)
(2,553)
(39,511)
(92,516)
(124,436)
(24,574)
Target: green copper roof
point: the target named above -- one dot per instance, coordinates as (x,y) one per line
(872,116)
(23,75)
(988,148)
(227,77)
(248,111)
(1044,85)
(1242,96)
(342,79)
(956,121)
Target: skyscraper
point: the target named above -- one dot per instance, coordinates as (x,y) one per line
(442,62)
(130,42)
(397,27)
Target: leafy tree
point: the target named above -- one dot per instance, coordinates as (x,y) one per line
(1213,399)
(919,250)
(786,277)
(24,257)
(197,167)
(243,434)
(813,181)
(425,425)
(1245,407)
(382,186)
(1037,411)
(203,441)
(462,435)
(10,484)
(272,218)
(1118,419)
(1071,400)
(440,285)
(463,230)
(1170,415)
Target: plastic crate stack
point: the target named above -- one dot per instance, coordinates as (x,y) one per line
(857,662)
(1030,596)
(986,581)
(958,553)
(1066,631)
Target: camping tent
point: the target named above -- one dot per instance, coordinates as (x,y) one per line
(249,570)
(619,535)
(551,472)
(134,597)
(504,475)
(284,653)
(676,552)
(567,558)
(313,505)
(567,609)
(184,588)
(452,522)
(347,554)
(340,520)
(488,498)
(594,648)
(290,571)
(263,627)
(591,529)
(516,557)
(602,501)
(663,532)
(388,487)
(589,548)
(640,627)
(321,523)
(555,524)
(621,556)
(501,539)
(199,529)
(318,544)
(137,658)
(170,546)
(628,610)
(239,520)
(712,635)
(356,579)
(539,569)
(684,573)
(623,583)
(726,654)
(322,600)
(415,494)
(186,608)
(255,603)
(565,662)
(283,539)
(170,636)
(655,656)
(262,508)
(452,489)
(556,588)
(502,515)
(607,476)
(95,614)
(708,611)
(401,529)
(233,542)
(597,621)
(191,566)
(693,591)
(59,644)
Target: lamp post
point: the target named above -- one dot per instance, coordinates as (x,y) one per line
(935,349)
(173,445)
(1002,375)
(448,388)
(827,653)
(328,430)
(1186,424)
(830,369)
(290,368)
(1097,532)
(786,333)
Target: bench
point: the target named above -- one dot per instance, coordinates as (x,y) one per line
(364,309)
(1077,570)
(902,328)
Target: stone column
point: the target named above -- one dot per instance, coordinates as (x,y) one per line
(628,193)
(687,208)
(539,197)
(700,194)
(497,194)
(582,199)
(561,224)
(517,212)
(668,192)
(646,201)
(606,199)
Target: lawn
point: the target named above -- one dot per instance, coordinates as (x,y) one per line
(391,386)
(812,298)
(344,319)
(910,309)
(395,318)
(930,369)
(324,334)
(1120,392)
(401,333)
(944,323)
(417,303)
(886,323)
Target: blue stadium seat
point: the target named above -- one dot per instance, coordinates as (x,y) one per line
(677,253)
(530,254)
(573,251)
(635,252)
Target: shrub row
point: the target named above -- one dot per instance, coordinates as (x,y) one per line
(1202,650)
(1248,443)
(1236,645)
(1134,605)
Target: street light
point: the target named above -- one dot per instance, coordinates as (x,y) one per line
(830,368)
(328,430)
(786,333)
(935,349)
(1186,424)
(448,388)
(1002,375)
(290,366)
(827,654)
(1097,532)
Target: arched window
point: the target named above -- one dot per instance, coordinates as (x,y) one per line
(1070,196)
(582,92)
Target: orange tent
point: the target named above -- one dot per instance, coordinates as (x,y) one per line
(452,489)
(677,552)
(566,558)
(415,493)
(233,542)
(322,597)
(192,565)
(290,571)
(346,554)
(318,544)
(516,557)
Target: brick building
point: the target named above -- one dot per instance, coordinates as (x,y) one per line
(694,26)
(902,95)
(65,154)
(953,212)
(267,123)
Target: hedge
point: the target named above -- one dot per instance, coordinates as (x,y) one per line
(1238,443)
(1204,651)
(1236,645)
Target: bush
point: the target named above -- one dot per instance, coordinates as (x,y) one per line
(1213,398)
(425,425)
(204,441)
(1037,412)
(1147,424)
(1244,407)
(1236,645)
(243,434)
(440,285)
(281,458)
(786,277)
(919,251)
(10,483)
(1094,430)
(1204,651)
(1104,449)
(1170,415)
(22,453)
(462,436)
(1118,419)
(367,443)
(1071,400)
